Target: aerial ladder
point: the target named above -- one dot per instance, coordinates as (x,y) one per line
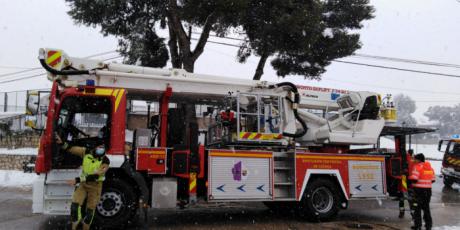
(357,118)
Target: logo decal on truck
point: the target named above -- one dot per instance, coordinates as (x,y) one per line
(239,172)
(236,171)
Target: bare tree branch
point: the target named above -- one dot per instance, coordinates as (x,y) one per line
(204,36)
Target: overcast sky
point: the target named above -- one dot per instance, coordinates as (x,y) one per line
(411,29)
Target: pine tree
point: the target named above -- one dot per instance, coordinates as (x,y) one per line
(301,36)
(134,22)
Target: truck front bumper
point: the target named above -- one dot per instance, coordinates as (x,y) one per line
(451,174)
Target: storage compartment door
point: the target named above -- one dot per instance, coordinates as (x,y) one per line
(236,178)
(366,178)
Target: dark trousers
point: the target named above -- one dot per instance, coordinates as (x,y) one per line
(421,202)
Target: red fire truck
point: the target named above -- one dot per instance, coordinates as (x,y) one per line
(204,138)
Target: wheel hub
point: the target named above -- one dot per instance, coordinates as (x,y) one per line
(322,200)
(110,204)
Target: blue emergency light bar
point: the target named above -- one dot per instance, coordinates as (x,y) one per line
(89,82)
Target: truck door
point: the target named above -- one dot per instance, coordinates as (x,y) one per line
(82,121)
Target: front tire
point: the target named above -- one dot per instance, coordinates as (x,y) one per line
(117,204)
(320,201)
(447,181)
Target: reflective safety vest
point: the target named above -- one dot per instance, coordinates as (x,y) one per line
(423,174)
(90,165)
(403,182)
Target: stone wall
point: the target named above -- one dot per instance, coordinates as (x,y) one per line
(13,162)
(19,140)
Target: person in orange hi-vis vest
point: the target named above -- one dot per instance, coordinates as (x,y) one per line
(422,177)
(404,184)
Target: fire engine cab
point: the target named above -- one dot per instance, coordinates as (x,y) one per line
(451,161)
(206,139)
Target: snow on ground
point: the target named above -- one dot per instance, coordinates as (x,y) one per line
(14,178)
(447,227)
(20,151)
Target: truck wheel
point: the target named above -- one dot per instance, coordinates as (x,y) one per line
(117,205)
(447,181)
(320,201)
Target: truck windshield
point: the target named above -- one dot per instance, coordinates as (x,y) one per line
(85,121)
(90,123)
(454,149)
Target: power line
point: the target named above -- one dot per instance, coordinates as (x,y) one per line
(19,91)
(15,67)
(370,85)
(393,88)
(394,59)
(36,68)
(219,43)
(18,72)
(412,61)
(22,78)
(43,73)
(100,54)
(399,69)
(365,64)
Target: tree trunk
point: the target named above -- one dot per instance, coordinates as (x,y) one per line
(260,67)
(173,51)
(187,56)
(189,64)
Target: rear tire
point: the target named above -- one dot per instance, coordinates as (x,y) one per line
(320,201)
(117,205)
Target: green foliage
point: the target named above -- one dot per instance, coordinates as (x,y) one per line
(131,21)
(134,22)
(302,36)
(145,48)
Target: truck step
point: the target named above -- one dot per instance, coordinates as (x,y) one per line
(47,197)
(284,199)
(284,183)
(280,168)
(57,182)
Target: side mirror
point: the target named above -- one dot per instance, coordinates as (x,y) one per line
(440,145)
(32,102)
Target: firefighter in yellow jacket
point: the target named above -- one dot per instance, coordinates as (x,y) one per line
(89,184)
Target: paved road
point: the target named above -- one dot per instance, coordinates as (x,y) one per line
(15,213)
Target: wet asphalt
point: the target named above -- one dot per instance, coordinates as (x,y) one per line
(15,213)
